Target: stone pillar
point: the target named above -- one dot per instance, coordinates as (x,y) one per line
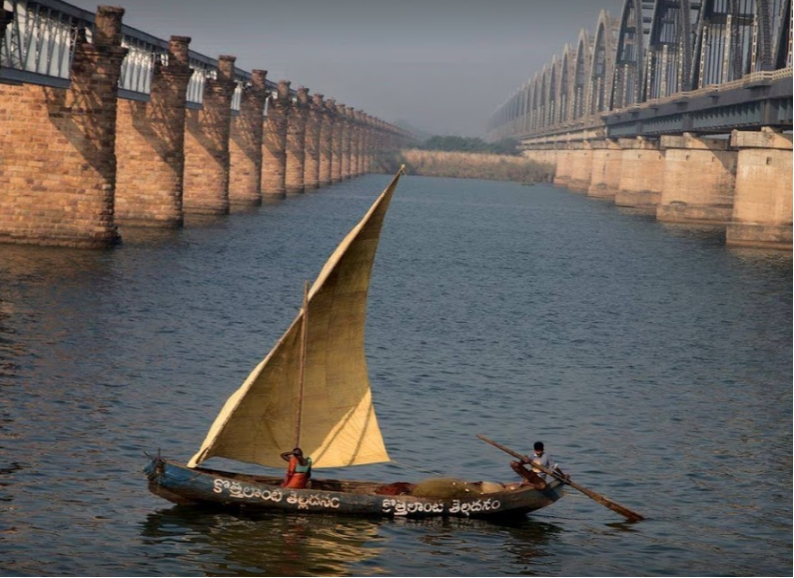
(314,128)
(562,172)
(762,202)
(150,146)
(336,151)
(347,126)
(581,167)
(296,142)
(327,135)
(641,174)
(362,141)
(207,145)
(274,144)
(354,142)
(245,144)
(699,180)
(57,148)
(605,173)
(367,145)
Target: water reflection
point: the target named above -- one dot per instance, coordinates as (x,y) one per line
(714,234)
(220,544)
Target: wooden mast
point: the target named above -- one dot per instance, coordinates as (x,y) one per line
(302,366)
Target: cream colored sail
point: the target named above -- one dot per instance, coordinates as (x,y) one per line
(338,426)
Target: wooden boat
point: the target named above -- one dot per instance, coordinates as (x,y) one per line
(312,390)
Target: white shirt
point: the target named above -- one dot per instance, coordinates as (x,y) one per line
(545,461)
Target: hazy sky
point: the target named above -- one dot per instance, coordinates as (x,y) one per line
(441,65)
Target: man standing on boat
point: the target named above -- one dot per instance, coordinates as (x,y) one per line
(299,469)
(536,477)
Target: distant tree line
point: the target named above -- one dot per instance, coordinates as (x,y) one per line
(506,146)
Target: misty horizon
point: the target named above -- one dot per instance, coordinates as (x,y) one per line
(439,67)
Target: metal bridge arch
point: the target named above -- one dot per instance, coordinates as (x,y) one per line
(783,38)
(552,88)
(564,90)
(545,80)
(581,73)
(669,51)
(630,55)
(734,38)
(602,65)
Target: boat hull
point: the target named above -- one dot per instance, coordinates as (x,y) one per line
(200,486)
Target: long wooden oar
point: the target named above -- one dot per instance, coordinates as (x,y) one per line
(614,506)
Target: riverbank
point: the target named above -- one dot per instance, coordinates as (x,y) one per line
(461,165)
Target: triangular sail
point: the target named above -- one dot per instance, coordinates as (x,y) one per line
(339,427)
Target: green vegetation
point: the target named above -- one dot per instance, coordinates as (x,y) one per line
(461,144)
(462,165)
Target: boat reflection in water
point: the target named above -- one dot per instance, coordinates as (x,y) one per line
(274,545)
(216,543)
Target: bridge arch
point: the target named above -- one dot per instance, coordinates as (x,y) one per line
(783,37)
(734,38)
(545,81)
(630,53)
(553,88)
(581,74)
(602,65)
(669,53)
(536,100)
(565,87)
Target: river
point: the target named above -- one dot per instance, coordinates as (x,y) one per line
(653,361)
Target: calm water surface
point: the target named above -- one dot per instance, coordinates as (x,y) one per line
(654,362)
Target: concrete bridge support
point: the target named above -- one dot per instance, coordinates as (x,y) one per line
(641,174)
(562,170)
(314,125)
(245,145)
(150,153)
(327,139)
(580,167)
(763,199)
(605,173)
(355,145)
(542,156)
(347,131)
(699,180)
(207,145)
(274,144)
(296,143)
(337,147)
(57,148)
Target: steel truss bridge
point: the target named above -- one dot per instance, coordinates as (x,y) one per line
(662,67)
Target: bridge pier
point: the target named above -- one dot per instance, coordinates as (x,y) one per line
(57,148)
(699,180)
(641,173)
(763,199)
(355,145)
(207,145)
(562,172)
(245,145)
(296,143)
(347,131)
(327,140)
(150,153)
(580,167)
(605,173)
(337,146)
(274,144)
(314,122)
